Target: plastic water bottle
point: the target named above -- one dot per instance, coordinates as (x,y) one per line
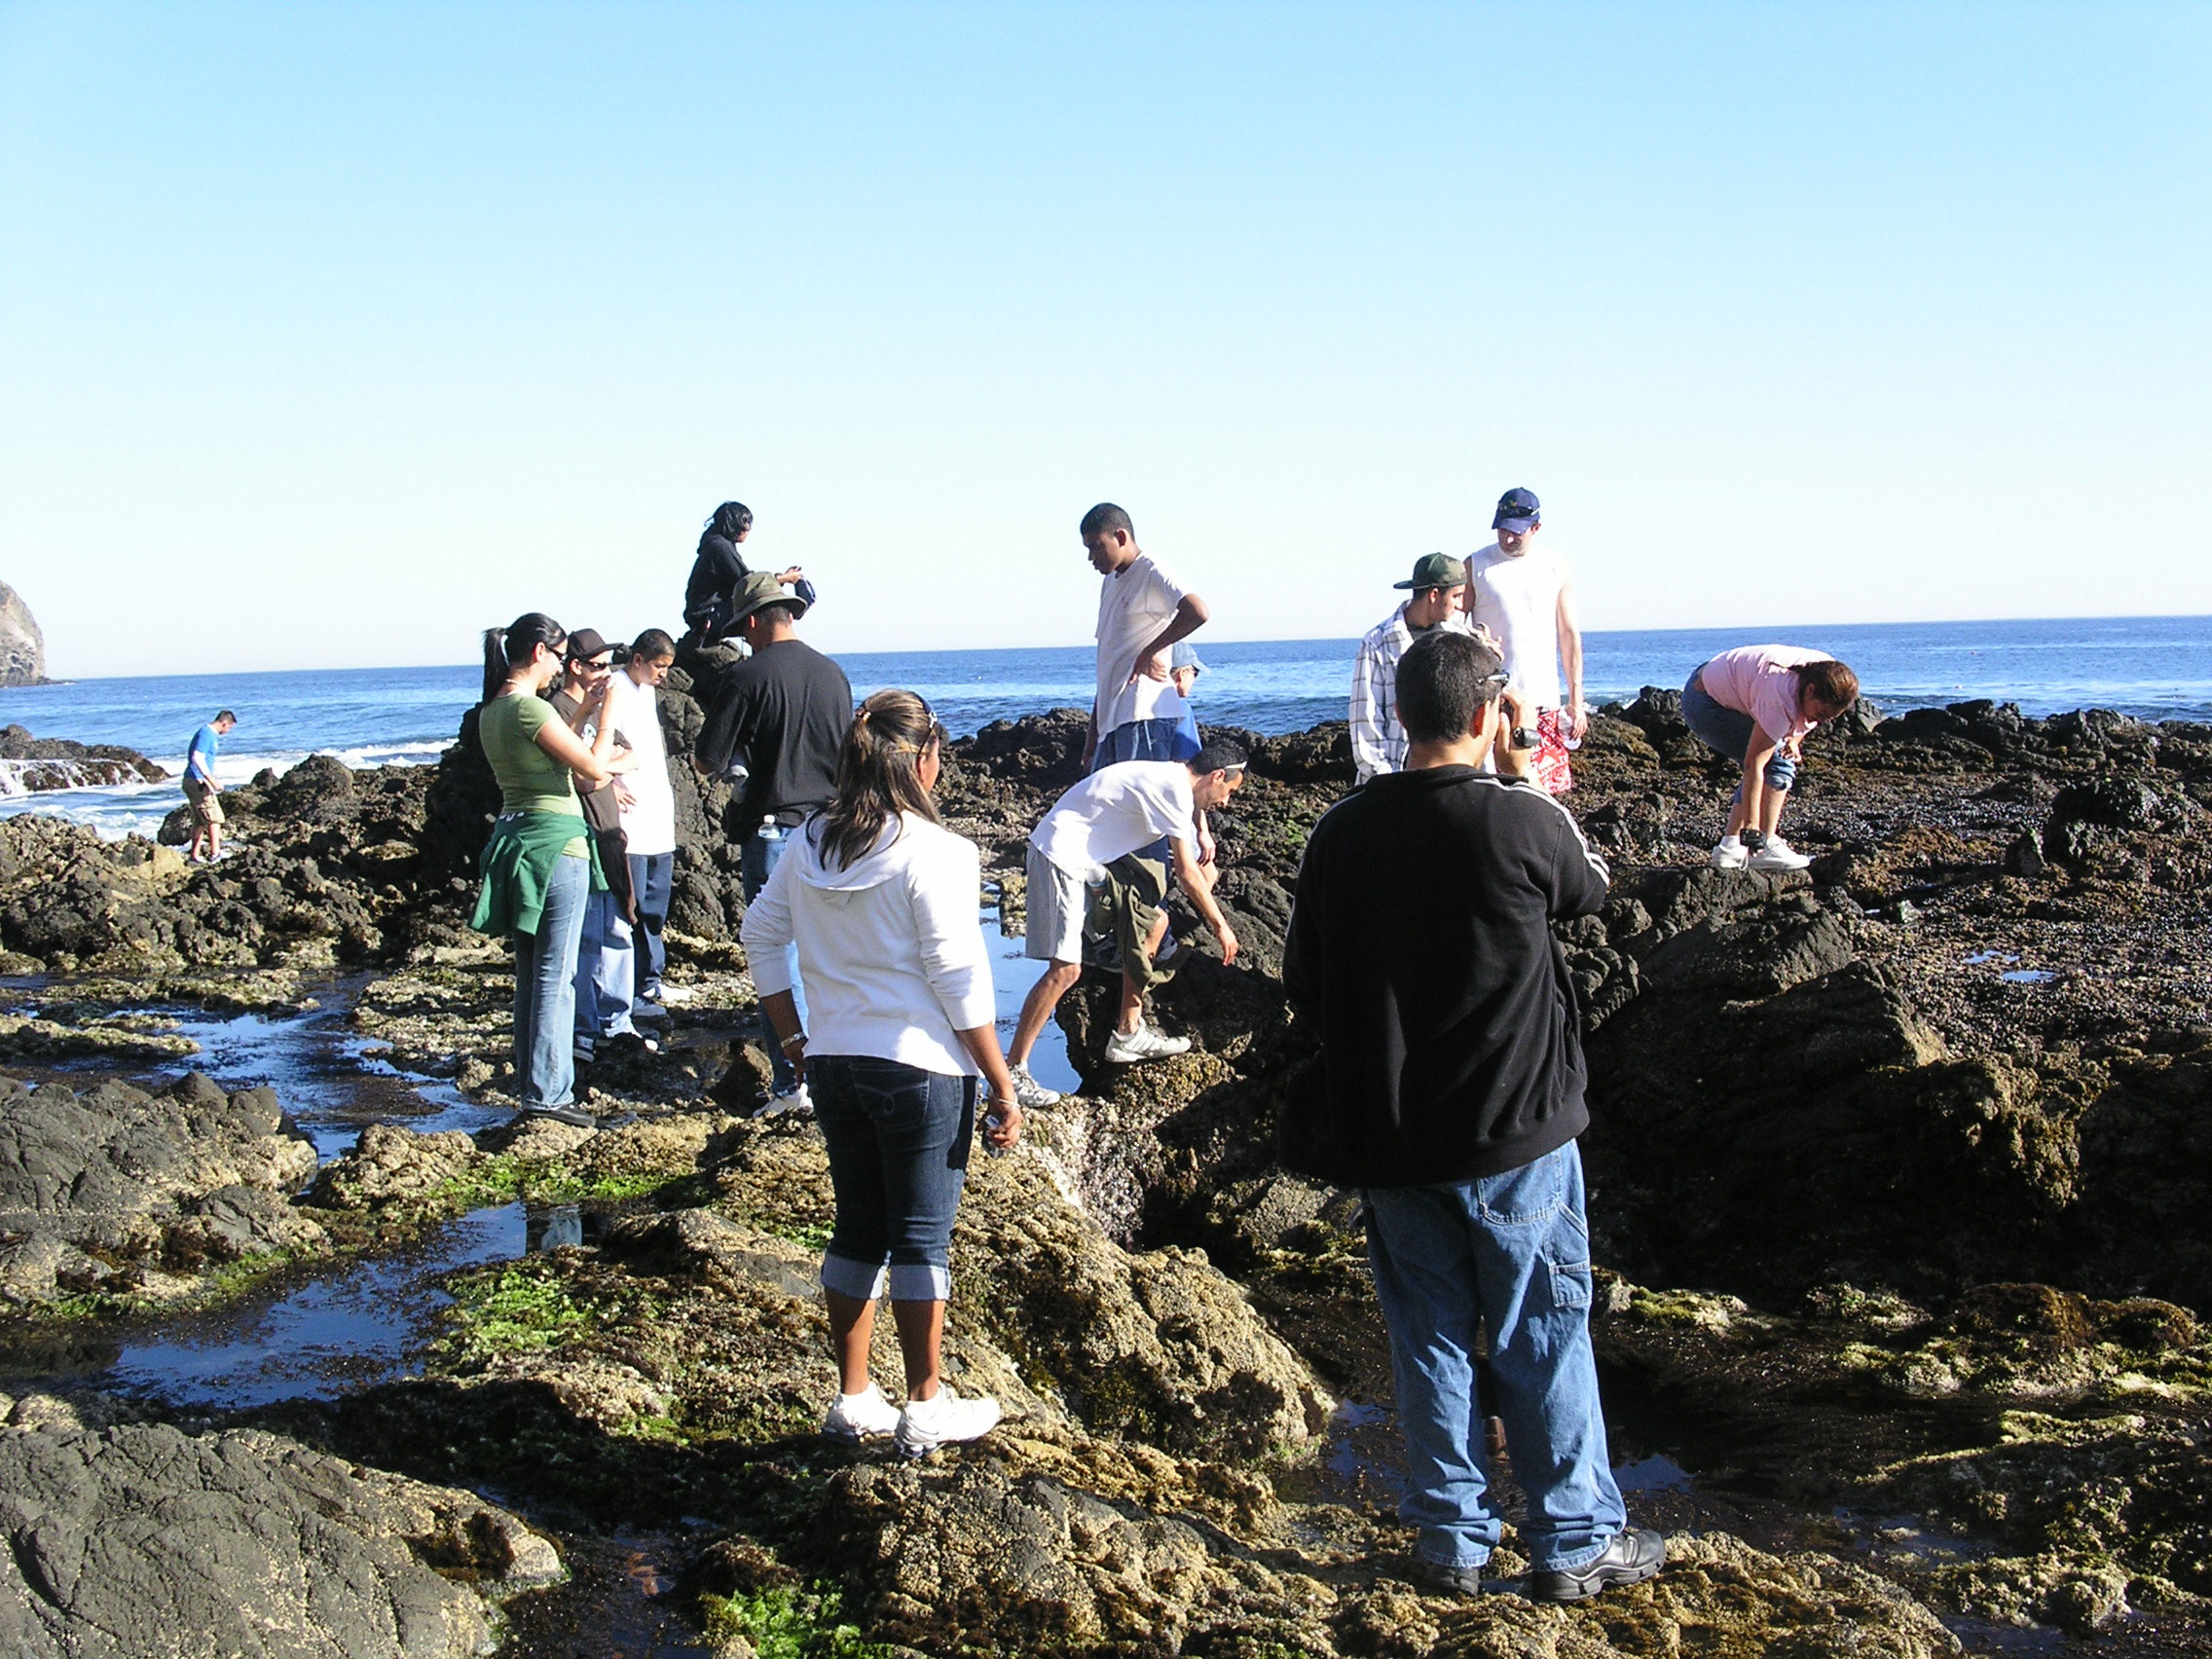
(991,1122)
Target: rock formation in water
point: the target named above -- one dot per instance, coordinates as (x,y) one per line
(33,765)
(22,648)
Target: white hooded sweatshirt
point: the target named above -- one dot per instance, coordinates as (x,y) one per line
(891,948)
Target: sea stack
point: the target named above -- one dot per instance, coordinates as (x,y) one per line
(22,648)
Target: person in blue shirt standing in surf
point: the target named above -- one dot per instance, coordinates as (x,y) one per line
(200,788)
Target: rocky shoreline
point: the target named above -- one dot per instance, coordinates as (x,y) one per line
(1897,1167)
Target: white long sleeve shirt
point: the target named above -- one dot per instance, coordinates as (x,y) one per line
(891,948)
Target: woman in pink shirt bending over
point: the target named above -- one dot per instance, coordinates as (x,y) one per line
(1755,704)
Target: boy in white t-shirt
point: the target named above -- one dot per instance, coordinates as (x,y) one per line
(1142,611)
(1525,597)
(1110,819)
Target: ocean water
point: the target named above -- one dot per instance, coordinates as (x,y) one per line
(2156,667)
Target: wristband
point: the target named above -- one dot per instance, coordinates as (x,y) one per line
(796,1040)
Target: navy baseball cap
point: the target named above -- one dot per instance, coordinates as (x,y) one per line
(1517,512)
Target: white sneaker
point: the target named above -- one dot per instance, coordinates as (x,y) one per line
(943,1419)
(865,1416)
(797,1101)
(1730,853)
(1028,1092)
(1127,1048)
(1779,854)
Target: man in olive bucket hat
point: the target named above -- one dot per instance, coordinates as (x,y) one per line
(787,707)
(1439,586)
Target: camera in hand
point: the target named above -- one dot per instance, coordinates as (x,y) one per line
(1523,737)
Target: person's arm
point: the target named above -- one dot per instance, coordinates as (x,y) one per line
(564,745)
(1206,846)
(944,895)
(1580,878)
(766,935)
(1200,892)
(1091,737)
(1302,949)
(1189,616)
(1370,705)
(728,728)
(983,1044)
(1511,763)
(1571,659)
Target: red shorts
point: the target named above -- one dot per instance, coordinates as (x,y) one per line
(1548,764)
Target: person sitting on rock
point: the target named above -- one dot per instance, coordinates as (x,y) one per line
(1449,1089)
(541,865)
(718,570)
(200,788)
(1105,827)
(1754,705)
(883,905)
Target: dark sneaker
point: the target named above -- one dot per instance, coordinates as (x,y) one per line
(1630,1557)
(573,1116)
(1438,1579)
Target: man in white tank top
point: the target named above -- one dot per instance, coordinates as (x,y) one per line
(1526,598)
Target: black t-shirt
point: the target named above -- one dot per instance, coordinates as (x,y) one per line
(1420,951)
(788,708)
(717,569)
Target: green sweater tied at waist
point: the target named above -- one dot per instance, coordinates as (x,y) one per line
(518,864)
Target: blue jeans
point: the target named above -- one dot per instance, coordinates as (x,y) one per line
(898,1138)
(651,875)
(1511,1252)
(1729,730)
(1139,740)
(763,850)
(606,975)
(545,989)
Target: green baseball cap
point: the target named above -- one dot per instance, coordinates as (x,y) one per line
(1436,570)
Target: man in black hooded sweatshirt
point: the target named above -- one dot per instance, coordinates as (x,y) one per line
(720,567)
(1449,1090)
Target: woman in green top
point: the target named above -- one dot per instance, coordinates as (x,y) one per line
(540,866)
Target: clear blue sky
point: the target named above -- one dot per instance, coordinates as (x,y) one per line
(329,333)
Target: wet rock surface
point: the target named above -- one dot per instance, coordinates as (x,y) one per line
(36,764)
(134,1540)
(116,1192)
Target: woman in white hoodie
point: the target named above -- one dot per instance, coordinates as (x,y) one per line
(885,906)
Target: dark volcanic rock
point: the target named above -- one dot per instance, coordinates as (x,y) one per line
(135,1539)
(40,763)
(119,1191)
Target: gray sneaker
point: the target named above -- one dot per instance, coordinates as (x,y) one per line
(1630,1557)
(1129,1048)
(1028,1092)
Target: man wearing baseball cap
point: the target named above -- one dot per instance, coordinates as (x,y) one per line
(1525,599)
(787,707)
(1438,584)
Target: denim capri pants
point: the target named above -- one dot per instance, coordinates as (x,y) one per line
(898,1138)
(1729,730)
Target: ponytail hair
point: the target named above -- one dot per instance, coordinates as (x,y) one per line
(518,641)
(1830,681)
(878,775)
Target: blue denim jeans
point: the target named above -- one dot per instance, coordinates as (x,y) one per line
(898,1138)
(1511,1252)
(606,974)
(1729,730)
(651,876)
(763,850)
(545,989)
(1139,740)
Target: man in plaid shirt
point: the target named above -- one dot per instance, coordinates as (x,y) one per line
(1439,587)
